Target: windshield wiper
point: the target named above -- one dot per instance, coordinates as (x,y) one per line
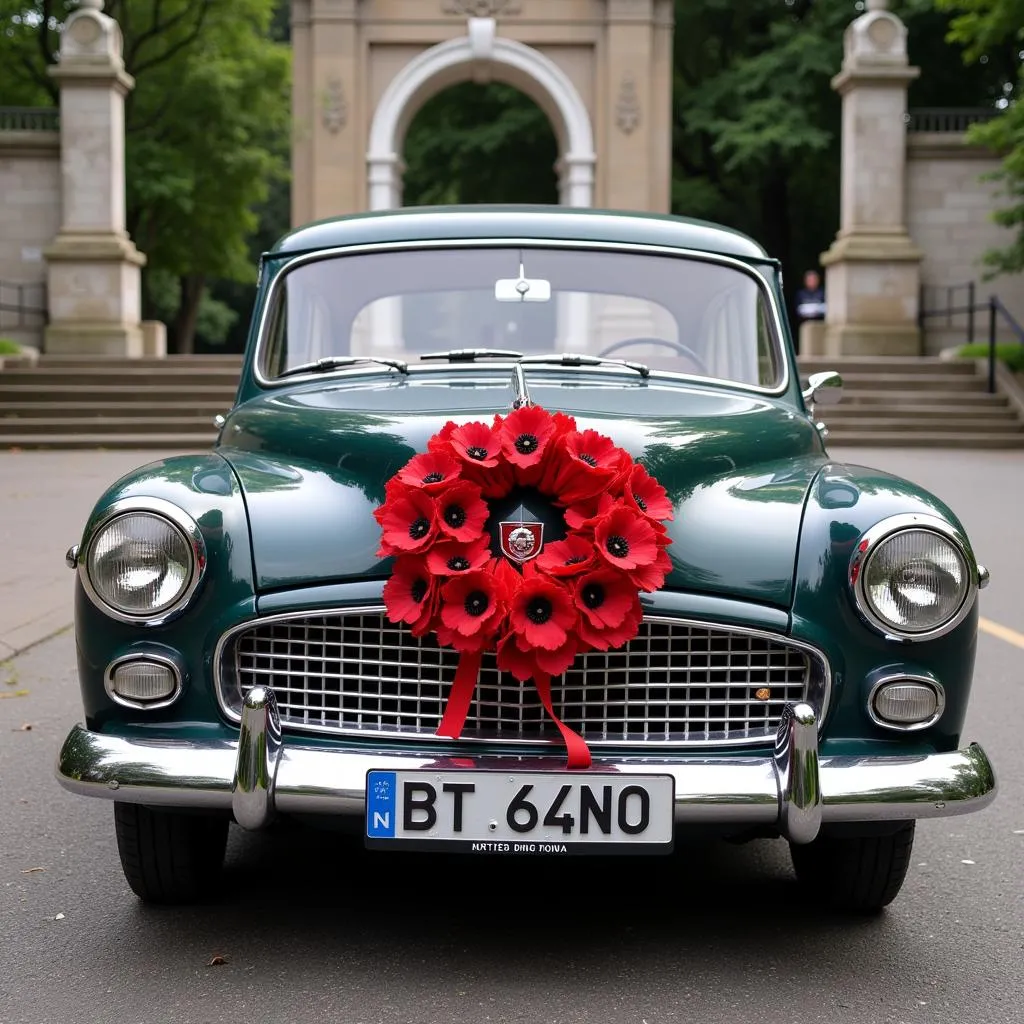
(339,362)
(468,355)
(578,359)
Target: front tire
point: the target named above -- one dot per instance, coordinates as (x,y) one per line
(169,858)
(861,874)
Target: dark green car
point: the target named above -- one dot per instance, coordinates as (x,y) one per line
(803,672)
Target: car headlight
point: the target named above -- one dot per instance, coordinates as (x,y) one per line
(144,561)
(913,576)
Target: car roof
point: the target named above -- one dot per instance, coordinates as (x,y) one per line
(427,223)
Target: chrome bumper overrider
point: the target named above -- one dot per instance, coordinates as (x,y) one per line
(794,790)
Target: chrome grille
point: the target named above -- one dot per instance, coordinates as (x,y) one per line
(355,673)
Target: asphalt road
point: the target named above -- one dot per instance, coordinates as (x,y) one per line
(314,929)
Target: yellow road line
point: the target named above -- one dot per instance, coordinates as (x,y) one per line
(1011,636)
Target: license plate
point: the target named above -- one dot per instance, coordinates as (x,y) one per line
(519,812)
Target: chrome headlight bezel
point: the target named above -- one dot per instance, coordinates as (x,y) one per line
(175,517)
(884,530)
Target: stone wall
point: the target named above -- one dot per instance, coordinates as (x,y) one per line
(29,219)
(949,217)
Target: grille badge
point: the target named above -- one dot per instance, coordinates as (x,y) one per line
(522,537)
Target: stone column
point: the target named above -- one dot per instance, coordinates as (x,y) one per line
(872,271)
(93,274)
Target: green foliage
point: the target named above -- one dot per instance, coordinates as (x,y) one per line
(207,129)
(990,30)
(1010,354)
(480,144)
(9,348)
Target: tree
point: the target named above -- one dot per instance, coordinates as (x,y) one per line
(206,131)
(992,32)
(480,144)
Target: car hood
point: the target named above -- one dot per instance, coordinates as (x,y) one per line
(313,462)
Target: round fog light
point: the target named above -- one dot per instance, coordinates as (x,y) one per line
(142,683)
(905,704)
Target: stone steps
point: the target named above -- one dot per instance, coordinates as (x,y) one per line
(75,402)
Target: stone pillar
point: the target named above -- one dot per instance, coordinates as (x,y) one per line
(635,162)
(873,271)
(93,273)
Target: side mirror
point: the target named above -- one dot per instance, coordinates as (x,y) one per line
(825,388)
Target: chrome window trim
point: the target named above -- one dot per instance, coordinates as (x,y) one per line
(868,544)
(108,681)
(819,686)
(898,677)
(179,519)
(778,332)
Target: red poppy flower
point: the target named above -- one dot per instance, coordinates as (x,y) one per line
(525,434)
(461,512)
(583,516)
(454,557)
(476,444)
(542,612)
(604,597)
(625,539)
(410,595)
(648,496)
(567,557)
(649,578)
(525,664)
(607,637)
(409,522)
(431,471)
(441,441)
(473,604)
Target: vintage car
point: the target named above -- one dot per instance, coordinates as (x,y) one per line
(798,667)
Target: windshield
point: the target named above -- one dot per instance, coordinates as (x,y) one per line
(675,314)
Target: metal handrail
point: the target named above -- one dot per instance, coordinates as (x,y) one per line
(29,119)
(993,304)
(947,119)
(23,306)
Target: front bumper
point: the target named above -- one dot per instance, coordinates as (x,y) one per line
(794,790)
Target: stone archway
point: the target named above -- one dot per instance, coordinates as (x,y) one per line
(601,70)
(448,63)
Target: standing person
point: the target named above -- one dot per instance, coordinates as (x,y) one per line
(810,300)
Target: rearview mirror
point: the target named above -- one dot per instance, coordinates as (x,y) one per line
(522,289)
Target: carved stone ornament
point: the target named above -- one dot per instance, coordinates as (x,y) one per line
(627,108)
(335,110)
(481,8)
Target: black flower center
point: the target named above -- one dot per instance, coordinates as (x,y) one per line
(477,453)
(588,459)
(458,564)
(576,560)
(617,546)
(640,503)
(476,603)
(593,595)
(455,516)
(420,528)
(525,444)
(539,610)
(433,478)
(418,590)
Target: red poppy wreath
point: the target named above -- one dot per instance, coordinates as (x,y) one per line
(535,605)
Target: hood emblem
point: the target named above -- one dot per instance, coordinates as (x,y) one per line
(522,536)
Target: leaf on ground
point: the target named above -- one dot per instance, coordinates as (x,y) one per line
(16,693)
(24,727)
(32,871)
(217,960)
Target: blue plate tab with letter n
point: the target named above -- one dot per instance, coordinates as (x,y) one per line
(381,805)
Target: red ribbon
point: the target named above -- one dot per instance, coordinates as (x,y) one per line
(461,696)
